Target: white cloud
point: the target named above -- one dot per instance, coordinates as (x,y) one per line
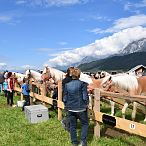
(46,3)
(130,6)
(62,43)
(9,19)
(123,23)
(20,2)
(130,22)
(44,49)
(52,49)
(27,66)
(4,18)
(3,66)
(106,46)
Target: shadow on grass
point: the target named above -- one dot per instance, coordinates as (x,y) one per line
(111,132)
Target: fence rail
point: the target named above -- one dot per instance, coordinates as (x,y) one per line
(99,117)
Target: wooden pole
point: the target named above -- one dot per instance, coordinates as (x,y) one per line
(44,89)
(59,99)
(30,87)
(15,93)
(43,93)
(21,96)
(95,109)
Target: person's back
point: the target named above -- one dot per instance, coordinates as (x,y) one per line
(77,95)
(25,92)
(76,100)
(25,89)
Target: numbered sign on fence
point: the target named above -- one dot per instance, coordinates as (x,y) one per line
(132,126)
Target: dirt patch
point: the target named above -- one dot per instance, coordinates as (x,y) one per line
(113,132)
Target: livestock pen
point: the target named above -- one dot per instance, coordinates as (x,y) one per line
(16,130)
(98,117)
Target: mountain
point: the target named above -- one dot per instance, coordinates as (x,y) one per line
(118,63)
(135,46)
(88,59)
(133,54)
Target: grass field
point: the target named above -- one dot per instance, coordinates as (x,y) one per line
(15,130)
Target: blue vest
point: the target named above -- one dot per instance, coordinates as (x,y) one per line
(25,89)
(5,85)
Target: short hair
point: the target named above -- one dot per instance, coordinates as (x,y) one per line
(76,73)
(9,74)
(69,71)
(24,80)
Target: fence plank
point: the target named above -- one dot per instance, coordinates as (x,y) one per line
(59,99)
(124,124)
(124,96)
(96,108)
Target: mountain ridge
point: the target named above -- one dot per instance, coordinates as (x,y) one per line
(118,63)
(133,54)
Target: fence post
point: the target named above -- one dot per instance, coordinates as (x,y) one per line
(21,96)
(43,92)
(59,99)
(96,108)
(44,89)
(15,93)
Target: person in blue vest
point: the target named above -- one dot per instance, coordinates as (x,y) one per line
(76,103)
(25,91)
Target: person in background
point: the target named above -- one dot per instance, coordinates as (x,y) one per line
(6,74)
(25,91)
(5,87)
(76,102)
(10,89)
(67,79)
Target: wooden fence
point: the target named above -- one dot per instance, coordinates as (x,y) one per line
(98,117)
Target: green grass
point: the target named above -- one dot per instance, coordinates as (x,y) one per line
(15,130)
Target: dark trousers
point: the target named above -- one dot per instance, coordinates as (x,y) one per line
(83,117)
(10,98)
(55,97)
(27,101)
(5,93)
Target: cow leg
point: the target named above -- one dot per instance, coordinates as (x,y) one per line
(112,107)
(90,101)
(124,109)
(135,104)
(145,112)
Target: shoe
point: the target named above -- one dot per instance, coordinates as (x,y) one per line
(83,143)
(75,144)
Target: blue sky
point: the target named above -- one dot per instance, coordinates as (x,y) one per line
(34,33)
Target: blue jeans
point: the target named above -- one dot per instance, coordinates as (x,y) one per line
(83,117)
(27,101)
